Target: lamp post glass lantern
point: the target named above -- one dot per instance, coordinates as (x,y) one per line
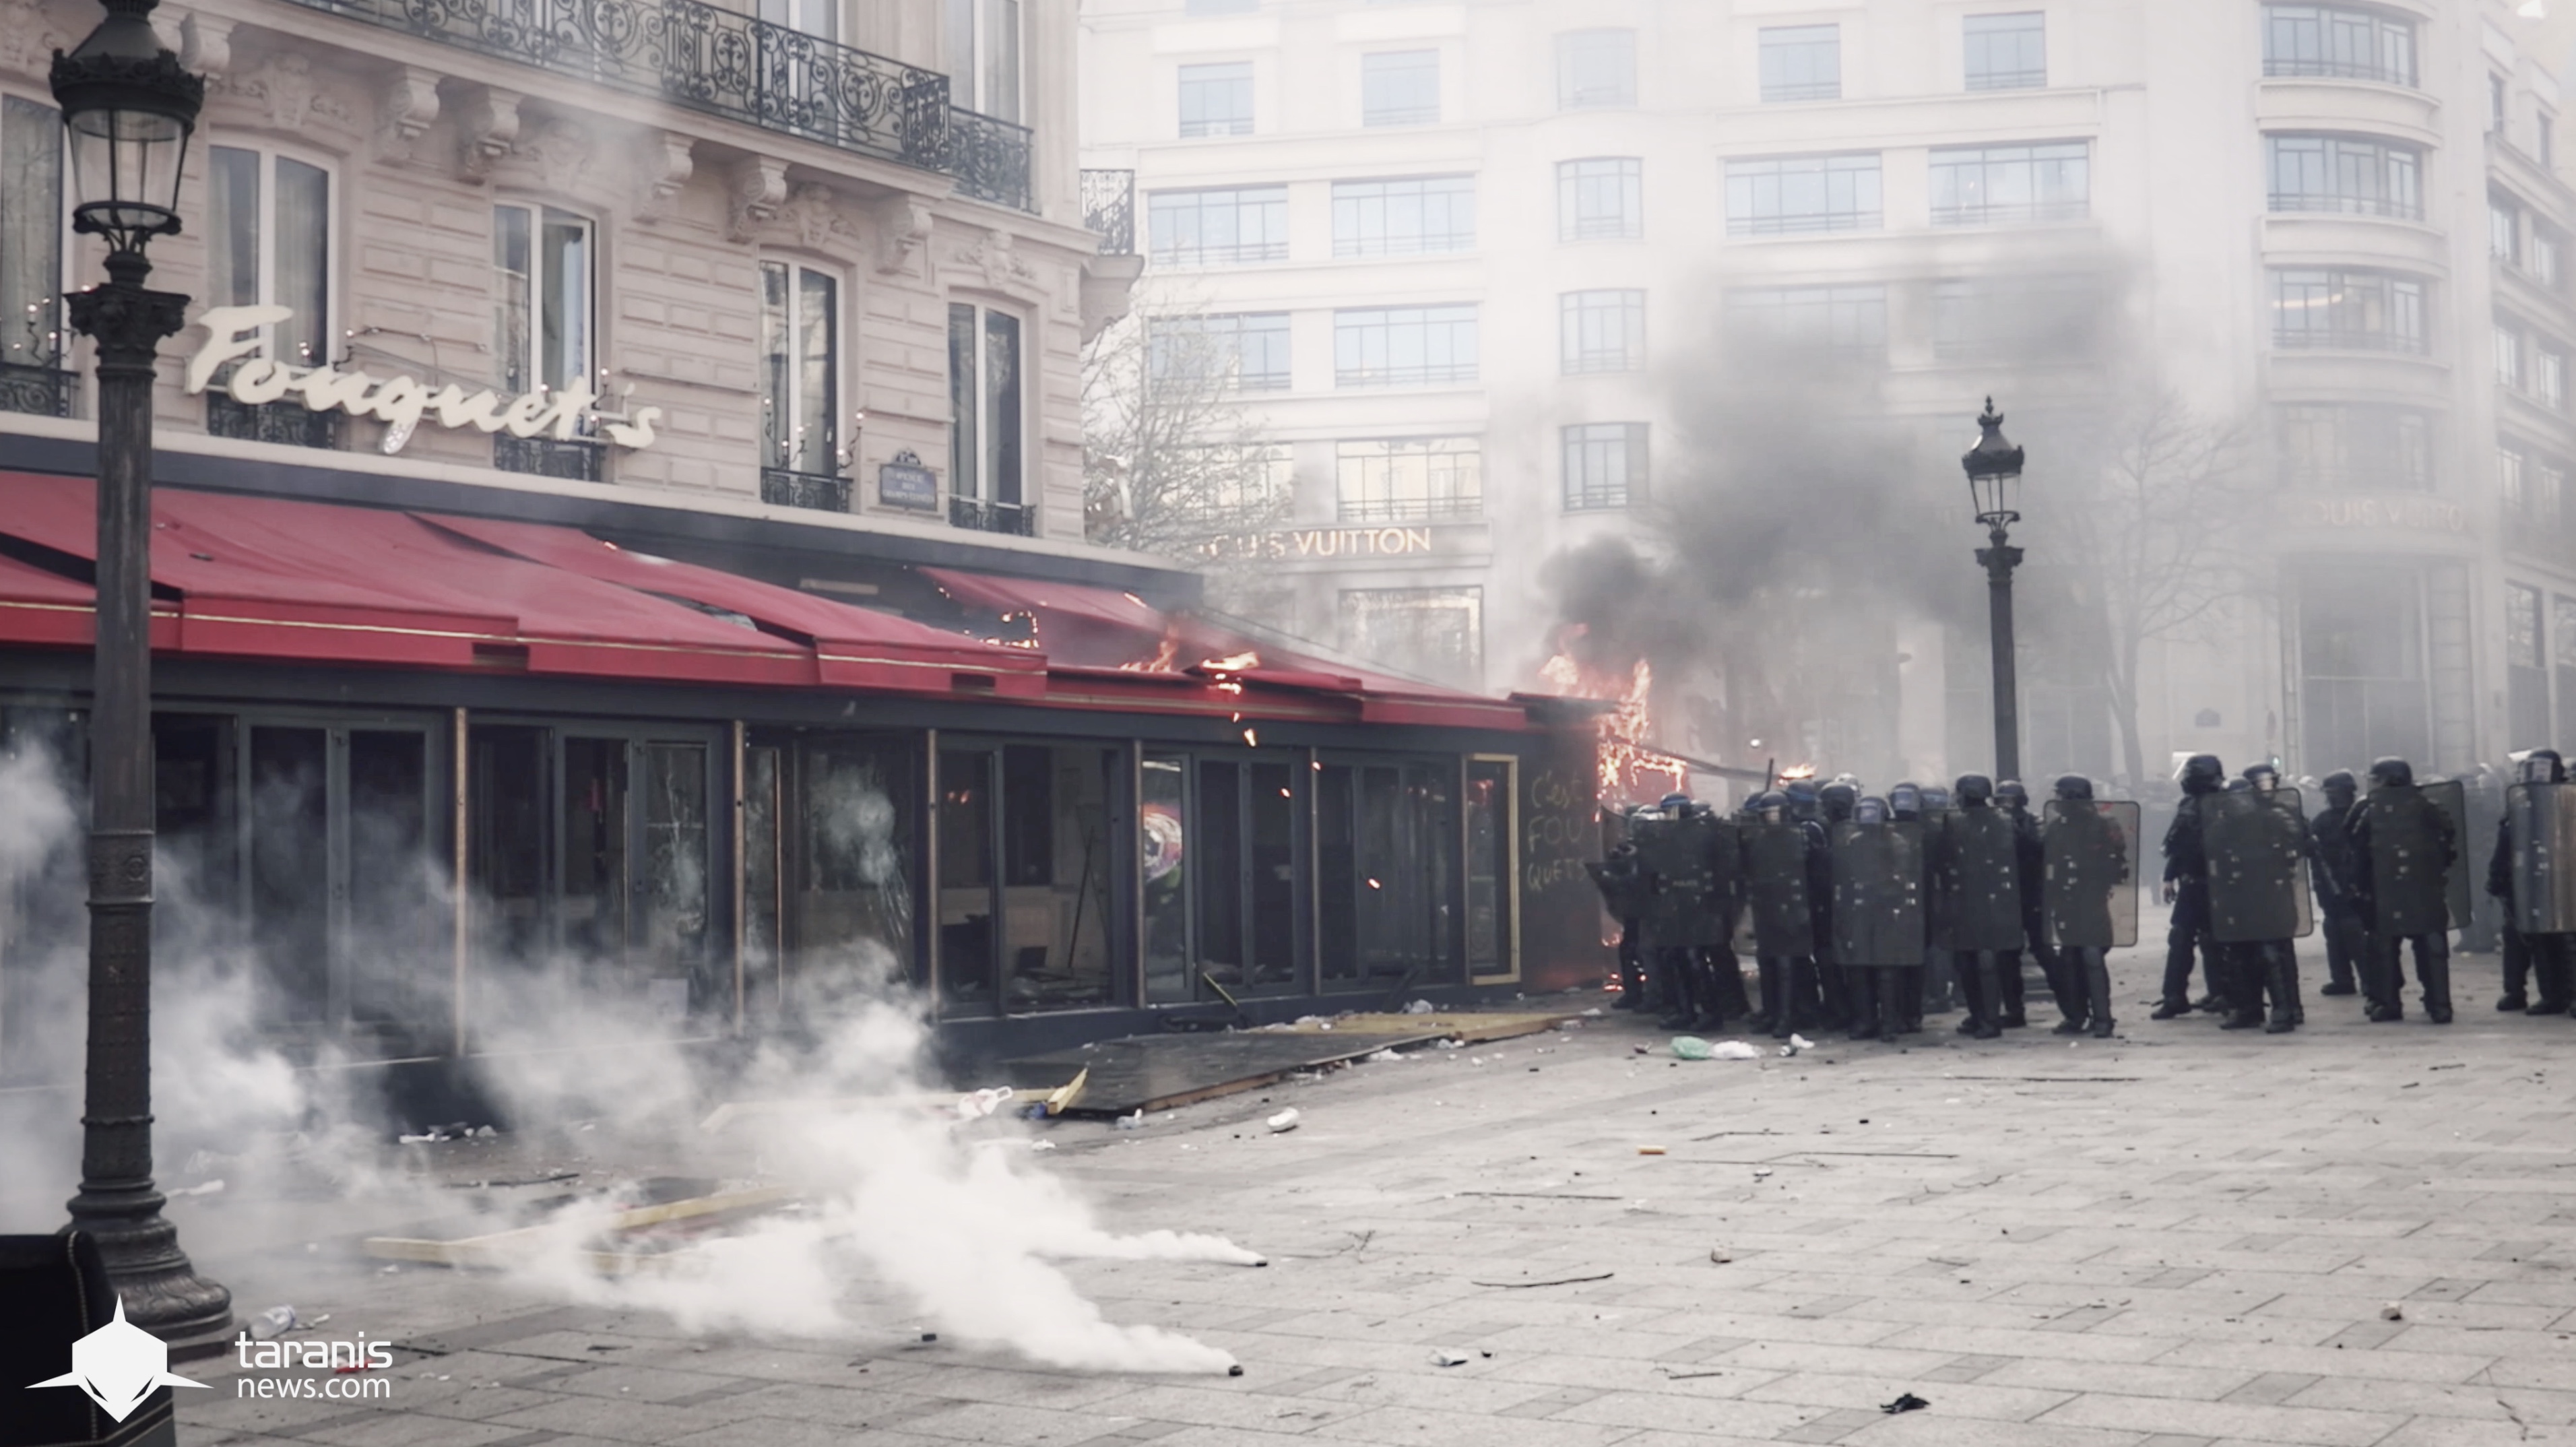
(1994,484)
(129,109)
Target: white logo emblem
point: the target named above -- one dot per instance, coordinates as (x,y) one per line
(118,1365)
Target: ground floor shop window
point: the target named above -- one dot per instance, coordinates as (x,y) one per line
(2361,666)
(1024,870)
(1492,952)
(1387,843)
(1220,849)
(829,848)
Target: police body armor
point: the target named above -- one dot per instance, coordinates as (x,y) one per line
(1775,881)
(2257,847)
(1677,898)
(1707,846)
(2458,895)
(1977,904)
(1878,893)
(2409,889)
(2089,867)
(2542,818)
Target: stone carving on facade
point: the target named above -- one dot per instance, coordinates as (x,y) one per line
(814,219)
(1003,267)
(663,164)
(759,188)
(406,110)
(205,42)
(902,227)
(28,38)
(290,97)
(486,131)
(559,153)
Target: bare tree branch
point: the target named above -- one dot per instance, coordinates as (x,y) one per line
(1171,462)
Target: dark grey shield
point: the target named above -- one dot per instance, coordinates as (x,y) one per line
(1677,881)
(2452,798)
(1722,848)
(2543,820)
(2409,887)
(2089,859)
(1775,880)
(1977,903)
(1878,894)
(2257,846)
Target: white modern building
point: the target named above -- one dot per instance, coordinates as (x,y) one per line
(1484,257)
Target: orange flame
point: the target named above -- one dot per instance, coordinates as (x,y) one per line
(1164,655)
(1631,770)
(1798,771)
(1232,663)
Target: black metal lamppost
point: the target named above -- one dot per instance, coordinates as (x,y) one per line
(1994,481)
(129,109)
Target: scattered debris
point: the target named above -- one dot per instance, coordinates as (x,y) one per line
(929,1337)
(1673,1376)
(1720,1255)
(1445,1357)
(452,1131)
(1284,1122)
(1907,1402)
(1761,1173)
(1234,1370)
(1650,1150)
(275,1322)
(619,1240)
(1420,1007)
(2392,1312)
(1797,1043)
(1131,1122)
(1386,1057)
(1558,1281)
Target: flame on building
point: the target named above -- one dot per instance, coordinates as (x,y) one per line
(1632,771)
(1164,655)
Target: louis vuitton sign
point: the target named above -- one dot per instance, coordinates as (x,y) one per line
(402,403)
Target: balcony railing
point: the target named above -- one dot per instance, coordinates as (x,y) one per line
(44,391)
(2398,207)
(1109,209)
(286,424)
(706,58)
(780,487)
(1017,519)
(574,461)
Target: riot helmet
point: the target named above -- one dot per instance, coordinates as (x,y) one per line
(1975,791)
(1839,799)
(2340,787)
(1803,803)
(1905,801)
(1935,798)
(2073,787)
(2202,774)
(2240,785)
(2542,766)
(2263,777)
(2011,795)
(1772,807)
(1871,810)
(1673,801)
(2391,772)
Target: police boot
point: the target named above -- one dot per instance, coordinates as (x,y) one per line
(2378,980)
(1860,994)
(2177,992)
(1990,991)
(2281,977)
(1708,1001)
(2008,1005)
(2549,966)
(2097,993)
(1889,989)
(2433,972)
(1771,974)
(2245,978)
(1972,996)
(1674,971)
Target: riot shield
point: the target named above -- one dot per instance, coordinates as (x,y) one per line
(1878,894)
(2409,888)
(2542,818)
(1667,894)
(2257,848)
(2089,854)
(2452,798)
(1697,854)
(1977,903)
(1775,882)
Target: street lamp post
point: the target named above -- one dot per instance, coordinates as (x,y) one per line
(1994,481)
(129,110)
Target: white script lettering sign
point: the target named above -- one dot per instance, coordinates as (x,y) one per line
(401,403)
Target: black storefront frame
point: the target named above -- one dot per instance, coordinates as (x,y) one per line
(1115,854)
(1199,887)
(1450,958)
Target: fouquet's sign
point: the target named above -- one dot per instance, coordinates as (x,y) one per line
(234,338)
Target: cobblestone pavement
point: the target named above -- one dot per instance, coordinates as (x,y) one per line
(2354,1235)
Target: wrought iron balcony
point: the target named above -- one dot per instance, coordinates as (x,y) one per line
(1016,519)
(781,487)
(574,461)
(44,391)
(710,59)
(1109,209)
(286,424)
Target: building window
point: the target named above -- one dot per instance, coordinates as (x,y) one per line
(1605,465)
(2331,446)
(985,455)
(1405,346)
(1400,88)
(2548,498)
(800,356)
(1791,194)
(2007,52)
(2504,230)
(1802,62)
(2341,41)
(2353,175)
(2510,490)
(1414,216)
(2361,665)
(2544,139)
(1982,186)
(1414,479)
(1602,331)
(2508,358)
(984,57)
(2041,317)
(542,270)
(32,378)
(2549,377)
(2526,678)
(1602,198)
(2546,249)
(2351,310)
(1596,68)
(2562,651)
(268,242)
(1434,633)
(1845,322)
(1216,100)
(1245,350)
(2498,104)
(1218,227)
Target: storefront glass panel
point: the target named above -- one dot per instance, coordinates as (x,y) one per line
(1024,841)
(1390,845)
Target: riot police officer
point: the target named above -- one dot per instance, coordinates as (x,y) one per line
(2523,875)
(1783,856)
(1835,804)
(1940,975)
(1905,806)
(2087,862)
(1877,913)
(2332,866)
(2268,963)
(1619,881)
(2014,801)
(2408,845)
(2186,886)
(1980,900)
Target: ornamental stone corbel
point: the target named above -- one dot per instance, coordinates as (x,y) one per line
(663,165)
(205,43)
(27,38)
(486,132)
(406,110)
(903,227)
(759,189)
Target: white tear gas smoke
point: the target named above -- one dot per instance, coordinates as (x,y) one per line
(895,1191)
